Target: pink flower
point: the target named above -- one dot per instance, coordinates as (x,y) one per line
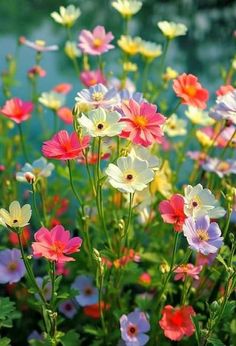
(38,45)
(62,88)
(17,110)
(96,42)
(143,123)
(185,270)
(90,78)
(65,114)
(172,211)
(55,244)
(224,89)
(64,146)
(202,260)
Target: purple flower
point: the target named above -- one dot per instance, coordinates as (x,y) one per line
(35,336)
(133,326)
(203,236)
(98,96)
(68,308)
(12,267)
(126,94)
(88,294)
(219,167)
(46,288)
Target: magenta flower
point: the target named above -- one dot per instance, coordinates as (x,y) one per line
(68,308)
(12,267)
(203,236)
(133,328)
(187,270)
(96,42)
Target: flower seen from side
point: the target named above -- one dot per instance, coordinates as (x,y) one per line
(187,270)
(17,110)
(130,45)
(39,168)
(66,16)
(38,45)
(171,29)
(92,77)
(172,211)
(127,8)
(52,100)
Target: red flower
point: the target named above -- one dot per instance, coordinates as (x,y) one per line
(25,237)
(191,92)
(17,110)
(172,211)
(176,322)
(94,311)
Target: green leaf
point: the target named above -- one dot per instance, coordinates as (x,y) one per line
(7,312)
(197,328)
(4,342)
(222,261)
(70,339)
(213,340)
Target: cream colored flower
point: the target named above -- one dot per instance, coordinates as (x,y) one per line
(145,154)
(17,216)
(129,44)
(175,126)
(171,29)
(127,8)
(198,116)
(150,50)
(67,15)
(52,100)
(130,67)
(162,181)
(169,74)
(71,50)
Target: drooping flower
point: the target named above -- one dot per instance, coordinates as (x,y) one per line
(64,146)
(203,236)
(150,50)
(62,88)
(220,167)
(130,45)
(56,244)
(12,268)
(198,116)
(200,202)
(65,115)
(100,123)
(71,50)
(130,174)
(143,123)
(175,126)
(96,42)
(67,15)
(88,293)
(52,100)
(68,308)
(39,168)
(133,328)
(176,322)
(46,288)
(225,108)
(171,29)
(190,91)
(92,77)
(17,217)
(224,89)
(98,96)
(187,270)
(127,8)
(38,45)
(17,110)
(172,211)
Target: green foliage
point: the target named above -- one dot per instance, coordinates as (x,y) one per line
(7,312)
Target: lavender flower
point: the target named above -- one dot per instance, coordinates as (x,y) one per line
(219,167)
(88,294)
(225,107)
(133,326)
(203,236)
(125,95)
(68,308)
(12,267)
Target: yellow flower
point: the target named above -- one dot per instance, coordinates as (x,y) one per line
(171,29)
(17,216)
(198,116)
(127,8)
(161,182)
(66,16)
(150,50)
(204,139)
(52,100)
(130,67)
(169,74)
(71,50)
(175,126)
(130,45)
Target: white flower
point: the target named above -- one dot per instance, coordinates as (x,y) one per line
(225,107)
(39,168)
(175,126)
(198,116)
(201,202)
(67,15)
(52,100)
(127,7)
(150,50)
(145,154)
(17,216)
(101,123)
(171,29)
(130,174)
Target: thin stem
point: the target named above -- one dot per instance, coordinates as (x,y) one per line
(145,75)
(163,57)
(72,184)
(126,233)
(53,278)
(35,205)
(23,143)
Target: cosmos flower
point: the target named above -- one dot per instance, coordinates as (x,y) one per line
(145,154)
(55,244)
(190,91)
(38,45)
(200,202)
(202,260)
(176,322)
(169,74)
(127,8)
(225,108)
(71,50)
(39,168)
(92,77)
(130,174)
(130,45)
(129,66)
(187,270)
(133,328)
(65,115)
(162,181)
(175,126)
(17,217)
(171,30)
(224,89)
(172,211)
(220,167)
(198,116)
(96,42)
(126,95)
(203,236)
(52,100)
(101,123)
(98,96)
(68,308)
(17,110)
(199,156)
(88,294)
(12,268)
(143,123)
(150,50)
(67,15)
(63,146)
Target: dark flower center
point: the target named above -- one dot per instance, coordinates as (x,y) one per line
(129,176)
(88,291)
(68,307)
(100,126)
(194,204)
(15,221)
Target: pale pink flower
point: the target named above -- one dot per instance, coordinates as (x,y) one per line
(17,110)
(92,77)
(38,45)
(185,270)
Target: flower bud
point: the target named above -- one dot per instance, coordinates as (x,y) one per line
(30,177)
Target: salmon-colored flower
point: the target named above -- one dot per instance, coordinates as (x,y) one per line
(187,270)
(65,114)
(191,92)
(55,244)
(172,211)
(17,110)
(143,123)
(62,88)
(176,322)
(64,146)
(90,78)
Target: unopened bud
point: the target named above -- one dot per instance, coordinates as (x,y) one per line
(164,267)
(214,306)
(231,237)
(30,177)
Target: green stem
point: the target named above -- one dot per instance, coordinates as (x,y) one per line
(145,75)
(163,57)
(72,184)
(35,205)
(126,233)
(55,120)
(23,143)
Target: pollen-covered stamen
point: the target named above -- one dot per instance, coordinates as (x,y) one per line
(202,235)
(97,96)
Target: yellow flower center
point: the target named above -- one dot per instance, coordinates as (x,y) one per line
(97,42)
(58,247)
(202,235)
(223,166)
(141,121)
(40,43)
(12,266)
(190,90)
(97,96)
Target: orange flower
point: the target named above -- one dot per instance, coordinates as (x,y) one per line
(191,92)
